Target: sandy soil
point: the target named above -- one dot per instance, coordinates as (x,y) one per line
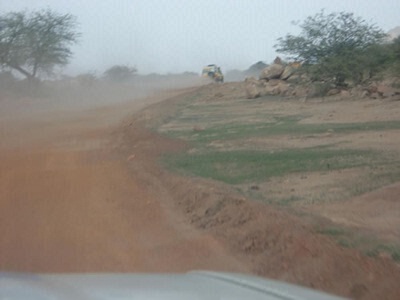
(82,192)
(70,204)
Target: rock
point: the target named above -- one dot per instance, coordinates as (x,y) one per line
(300,91)
(273,82)
(294,78)
(385,91)
(287,72)
(345,94)
(253,88)
(276,87)
(364,94)
(273,71)
(252,92)
(284,88)
(333,92)
(374,95)
(372,89)
(272,90)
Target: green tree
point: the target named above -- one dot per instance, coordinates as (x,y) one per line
(36,42)
(395,51)
(334,47)
(119,73)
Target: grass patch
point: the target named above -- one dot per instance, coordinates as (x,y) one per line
(279,126)
(392,250)
(345,243)
(235,167)
(370,246)
(289,200)
(332,231)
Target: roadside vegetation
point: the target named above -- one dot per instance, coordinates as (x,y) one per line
(342,49)
(33,44)
(370,246)
(239,145)
(287,153)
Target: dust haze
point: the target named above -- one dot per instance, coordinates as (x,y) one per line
(31,111)
(19,99)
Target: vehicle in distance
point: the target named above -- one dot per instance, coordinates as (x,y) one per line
(213,72)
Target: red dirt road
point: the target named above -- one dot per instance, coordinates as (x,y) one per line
(68,203)
(83,192)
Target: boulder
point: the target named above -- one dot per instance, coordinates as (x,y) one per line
(253,88)
(301,91)
(273,71)
(294,78)
(344,94)
(287,72)
(276,87)
(332,92)
(372,89)
(272,90)
(285,88)
(364,94)
(273,82)
(385,91)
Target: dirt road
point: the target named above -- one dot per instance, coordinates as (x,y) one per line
(68,202)
(82,191)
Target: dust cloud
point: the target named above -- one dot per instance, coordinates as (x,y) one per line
(20,100)
(33,111)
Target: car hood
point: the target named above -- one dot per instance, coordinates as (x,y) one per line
(192,285)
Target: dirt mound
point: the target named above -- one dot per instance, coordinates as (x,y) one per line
(377,212)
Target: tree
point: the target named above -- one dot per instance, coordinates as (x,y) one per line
(334,46)
(36,42)
(119,73)
(395,51)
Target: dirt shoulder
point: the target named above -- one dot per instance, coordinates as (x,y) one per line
(273,241)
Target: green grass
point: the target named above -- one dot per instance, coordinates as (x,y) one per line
(346,243)
(333,231)
(392,250)
(370,246)
(235,167)
(288,200)
(280,126)
(249,166)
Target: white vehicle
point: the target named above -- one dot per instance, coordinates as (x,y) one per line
(193,285)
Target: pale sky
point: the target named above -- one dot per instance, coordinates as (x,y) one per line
(183,35)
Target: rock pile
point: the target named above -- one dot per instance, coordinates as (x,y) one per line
(273,80)
(285,80)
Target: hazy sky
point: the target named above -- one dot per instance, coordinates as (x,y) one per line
(183,35)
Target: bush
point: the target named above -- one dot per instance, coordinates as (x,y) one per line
(119,73)
(336,47)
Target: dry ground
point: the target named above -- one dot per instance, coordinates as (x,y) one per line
(82,192)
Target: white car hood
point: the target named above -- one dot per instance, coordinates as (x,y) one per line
(193,285)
